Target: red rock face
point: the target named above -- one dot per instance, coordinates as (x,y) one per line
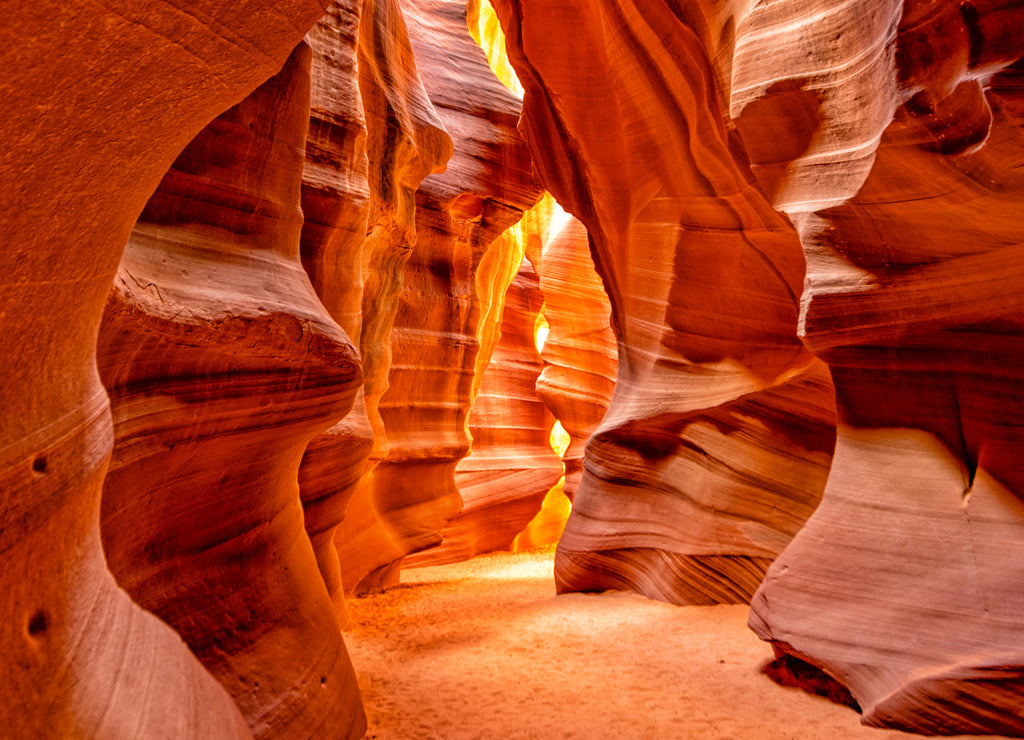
(336,203)
(406,141)
(449,285)
(101,114)
(916,545)
(222,364)
(580,354)
(704,279)
(511,467)
(780,198)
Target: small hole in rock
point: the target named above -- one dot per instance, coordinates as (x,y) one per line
(39,465)
(38,623)
(323,680)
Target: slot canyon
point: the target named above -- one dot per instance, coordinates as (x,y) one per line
(512,368)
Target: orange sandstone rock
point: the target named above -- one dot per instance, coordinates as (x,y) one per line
(630,132)
(96,117)
(405,141)
(453,277)
(222,364)
(336,205)
(580,354)
(511,465)
(901,587)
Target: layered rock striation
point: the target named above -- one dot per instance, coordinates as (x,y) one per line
(453,278)
(222,364)
(335,199)
(915,547)
(716,443)
(373,137)
(511,466)
(580,354)
(97,116)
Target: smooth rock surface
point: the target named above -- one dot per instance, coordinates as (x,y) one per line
(511,465)
(335,207)
(580,354)
(222,364)
(630,132)
(916,545)
(98,101)
(453,277)
(405,142)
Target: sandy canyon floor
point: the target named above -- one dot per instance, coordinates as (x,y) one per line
(485,649)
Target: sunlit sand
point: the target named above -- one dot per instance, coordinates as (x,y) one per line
(485,649)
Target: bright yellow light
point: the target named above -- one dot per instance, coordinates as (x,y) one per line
(559,439)
(546,527)
(486,31)
(540,332)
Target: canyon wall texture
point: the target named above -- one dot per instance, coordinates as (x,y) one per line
(580,355)
(222,365)
(511,467)
(454,276)
(916,547)
(374,136)
(269,339)
(889,133)
(716,443)
(98,116)
(335,199)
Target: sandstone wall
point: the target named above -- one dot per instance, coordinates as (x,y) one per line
(580,354)
(247,310)
(453,278)
(511,466)
(96,117)
(717,440)
(910,262)
(222,364)
(374,136)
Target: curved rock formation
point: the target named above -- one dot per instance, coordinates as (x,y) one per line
(511,466)
(405,142)
(97,116)
(630,133)
(912,298)
(448,287)
(580,354)
(222,364)
(337,199)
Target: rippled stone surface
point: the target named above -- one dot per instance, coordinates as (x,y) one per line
(580,354)
(222,364)
(917,541)
(716,442)
(405,142)
(96,117)
(511,465)
(454,276)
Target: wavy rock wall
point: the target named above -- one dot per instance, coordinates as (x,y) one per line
(374,136)
(911,299)
(717,441)
(335,200)
(453,278)
(222,365)
(580,354)
(511,466)
(98,117)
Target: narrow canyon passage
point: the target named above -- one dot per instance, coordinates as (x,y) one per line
(306,305)
(484,649)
